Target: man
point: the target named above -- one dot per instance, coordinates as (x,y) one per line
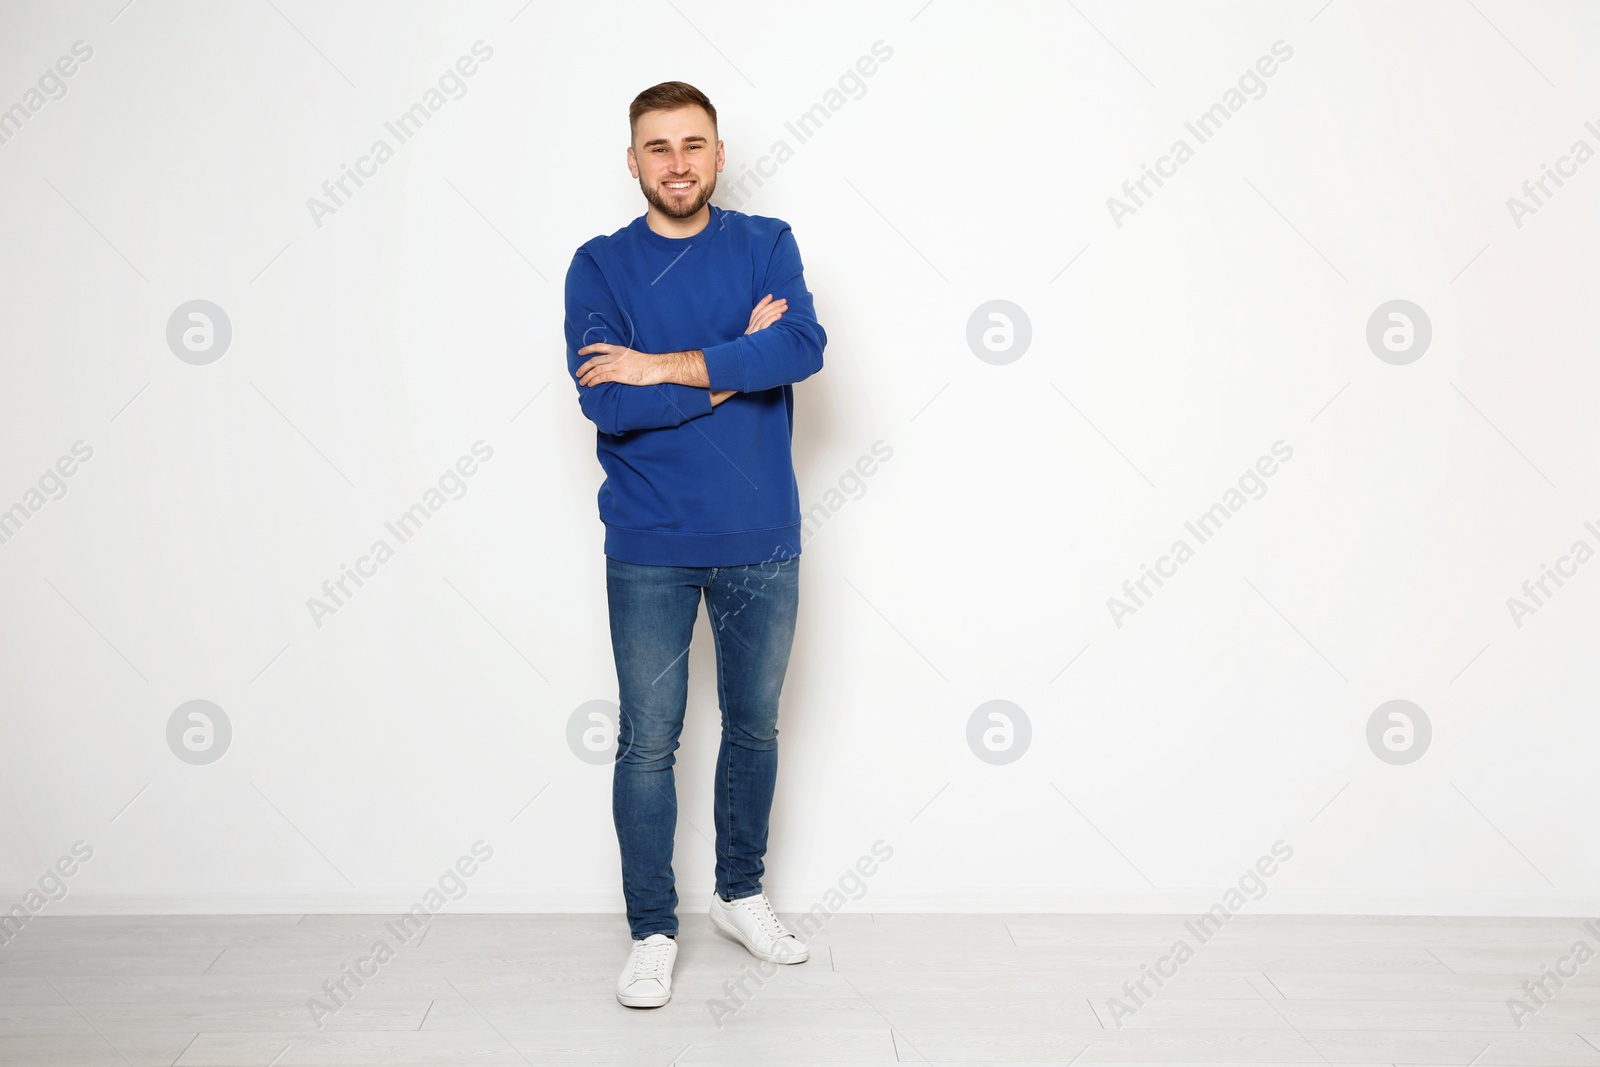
(685,332)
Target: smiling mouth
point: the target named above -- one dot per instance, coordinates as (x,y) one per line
(679,187)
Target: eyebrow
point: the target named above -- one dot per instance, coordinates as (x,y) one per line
(663,140)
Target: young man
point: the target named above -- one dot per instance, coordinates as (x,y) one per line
(685,331)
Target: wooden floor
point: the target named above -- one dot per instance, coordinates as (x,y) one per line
(878,989)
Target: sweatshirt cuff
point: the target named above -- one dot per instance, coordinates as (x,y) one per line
(724,366)
(700,403)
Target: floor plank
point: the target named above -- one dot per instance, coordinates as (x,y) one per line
(219,991)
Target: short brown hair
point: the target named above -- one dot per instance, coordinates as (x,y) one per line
(668,96)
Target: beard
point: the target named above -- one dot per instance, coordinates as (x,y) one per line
(675,206)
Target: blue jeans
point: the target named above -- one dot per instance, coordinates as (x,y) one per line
(653,609)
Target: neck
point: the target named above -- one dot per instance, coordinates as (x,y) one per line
(667,226)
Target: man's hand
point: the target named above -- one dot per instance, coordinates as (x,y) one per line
(619,363)
(767,312)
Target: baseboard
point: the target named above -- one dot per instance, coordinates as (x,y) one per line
(608,900)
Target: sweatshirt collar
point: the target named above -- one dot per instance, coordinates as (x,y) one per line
(678,244)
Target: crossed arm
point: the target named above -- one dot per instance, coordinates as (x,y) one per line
(627,366)
(622,389)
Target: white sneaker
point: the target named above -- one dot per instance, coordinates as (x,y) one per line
(751,921)
(646,980)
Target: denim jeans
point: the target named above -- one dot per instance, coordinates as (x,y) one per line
(752,610)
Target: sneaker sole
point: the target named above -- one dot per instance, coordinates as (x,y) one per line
(643,1002)
(771,957)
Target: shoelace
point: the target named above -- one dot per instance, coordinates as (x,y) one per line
(650,961)
(761,908)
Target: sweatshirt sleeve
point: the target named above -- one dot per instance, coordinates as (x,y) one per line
(787,351)
(616,407)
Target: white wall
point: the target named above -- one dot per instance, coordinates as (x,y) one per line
(374,346)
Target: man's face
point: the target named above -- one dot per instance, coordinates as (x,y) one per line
(676,157)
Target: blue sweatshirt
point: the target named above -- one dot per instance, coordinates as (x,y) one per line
(688,484)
